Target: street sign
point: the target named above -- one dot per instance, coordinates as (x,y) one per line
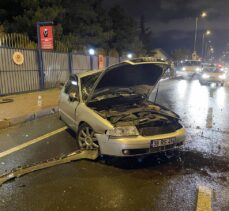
(46,37)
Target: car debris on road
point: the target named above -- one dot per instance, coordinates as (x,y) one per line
(76,155)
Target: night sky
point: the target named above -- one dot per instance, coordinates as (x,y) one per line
(173,21)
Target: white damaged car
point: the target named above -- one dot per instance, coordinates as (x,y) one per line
(110,110)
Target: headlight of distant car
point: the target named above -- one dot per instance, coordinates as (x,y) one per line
(183,68)
(123,131)
(198,69)
(205,76)
(222,76)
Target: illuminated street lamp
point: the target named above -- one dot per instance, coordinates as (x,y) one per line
(129,55)
(206,33)
(202,15)
(91,52)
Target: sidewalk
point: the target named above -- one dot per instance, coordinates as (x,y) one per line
(25,107)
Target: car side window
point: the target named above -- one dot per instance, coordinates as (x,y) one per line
(72,86)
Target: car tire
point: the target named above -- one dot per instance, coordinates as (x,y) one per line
(86,137)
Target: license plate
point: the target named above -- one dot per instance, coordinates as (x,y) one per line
(162,142)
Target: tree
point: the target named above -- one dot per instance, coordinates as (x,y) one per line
(145,35)
(10,9)
(77,23)
(22,15)
(87,20)
(2,30)
(137,47)
(124,29)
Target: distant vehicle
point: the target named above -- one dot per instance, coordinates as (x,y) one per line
(110,110)
(220,66)
(190,68)
(205,65)
(212,74)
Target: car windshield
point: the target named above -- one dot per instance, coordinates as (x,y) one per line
(87,83)
(192,63)
(213,70)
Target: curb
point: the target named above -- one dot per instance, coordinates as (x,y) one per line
(5,123)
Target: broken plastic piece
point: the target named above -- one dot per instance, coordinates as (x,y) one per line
(77,155)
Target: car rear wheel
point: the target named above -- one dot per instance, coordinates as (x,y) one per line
(86,137)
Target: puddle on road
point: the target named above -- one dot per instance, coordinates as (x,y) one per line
(77,155)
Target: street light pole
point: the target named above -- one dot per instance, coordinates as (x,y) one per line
(206,49)
(194,48)
(202,52)
(208,32)
(203,15)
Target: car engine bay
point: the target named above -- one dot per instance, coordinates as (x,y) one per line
(149,118)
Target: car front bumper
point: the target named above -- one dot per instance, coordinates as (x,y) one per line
(186,73)
(136,146)
(213,80)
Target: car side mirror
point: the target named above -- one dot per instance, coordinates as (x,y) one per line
(73,97)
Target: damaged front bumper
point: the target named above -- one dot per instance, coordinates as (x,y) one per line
(140,145)
(212,80)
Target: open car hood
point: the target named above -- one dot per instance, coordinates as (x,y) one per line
(141,77)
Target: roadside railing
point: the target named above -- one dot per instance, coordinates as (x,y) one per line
(21,70)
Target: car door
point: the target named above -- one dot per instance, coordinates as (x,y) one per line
(69,100)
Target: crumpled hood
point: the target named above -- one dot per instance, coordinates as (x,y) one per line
(141,77)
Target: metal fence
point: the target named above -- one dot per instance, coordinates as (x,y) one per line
(18,78)
(80,63)
(56,68)
(53,68)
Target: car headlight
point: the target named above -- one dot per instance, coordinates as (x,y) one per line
(183,68)
(123,131)
(205,76)
(222,76)
(198,69)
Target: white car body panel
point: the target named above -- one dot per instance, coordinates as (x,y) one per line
(77,112)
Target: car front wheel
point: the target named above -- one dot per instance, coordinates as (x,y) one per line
(86,137)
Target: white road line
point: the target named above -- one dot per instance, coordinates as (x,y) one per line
(204,196)
(209,118)
(33,141)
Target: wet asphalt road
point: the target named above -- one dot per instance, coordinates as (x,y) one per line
(159,182)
